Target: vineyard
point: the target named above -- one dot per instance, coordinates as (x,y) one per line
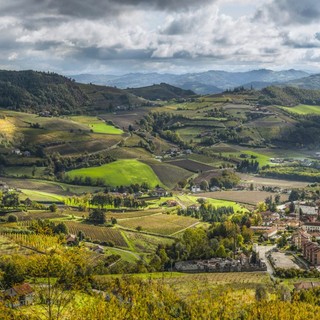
(184,284)
(162,224)
(146,243)
(35,242)
(96,233)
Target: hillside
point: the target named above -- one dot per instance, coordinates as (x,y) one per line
(312,82)
(289,96)
(160,91)
(39,91)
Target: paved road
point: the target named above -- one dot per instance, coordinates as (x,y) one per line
(263,250)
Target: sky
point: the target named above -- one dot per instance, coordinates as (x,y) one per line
(166,36)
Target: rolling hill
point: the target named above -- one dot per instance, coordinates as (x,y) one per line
(160,91)
(39,91)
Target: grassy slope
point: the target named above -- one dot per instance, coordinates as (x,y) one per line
(96,125)
(303,109)
(121,172)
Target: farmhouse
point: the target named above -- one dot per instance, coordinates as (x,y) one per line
(71,239)
(19,295)
(270,233)
(195,188)
(194,207)
(97,249)
(159,192)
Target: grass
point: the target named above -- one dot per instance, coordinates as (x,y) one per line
(168,174)
(40,196)
(97,125)
(303,109)
(188,200)
(160,224)
(120,172)
(247,197)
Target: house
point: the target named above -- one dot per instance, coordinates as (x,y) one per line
(171,203)
(270,233)
(16,152)
(71,239)
(306,285)
(269,217)
(312,226)
(4,186)
(97,249)
(194,207)
(195,188)
(159,192)
(19,295)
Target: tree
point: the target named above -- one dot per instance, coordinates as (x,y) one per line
(12,218)
(10,199)
(261,293)
(61,228)
(294,195)
(97,216)
(204,185)
(221,252)
(53,207)
(81,235)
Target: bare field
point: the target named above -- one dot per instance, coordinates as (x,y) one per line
(260,181)
(247,197)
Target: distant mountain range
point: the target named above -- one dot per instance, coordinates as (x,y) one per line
(202,83)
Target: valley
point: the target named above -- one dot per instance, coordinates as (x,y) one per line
(137,189)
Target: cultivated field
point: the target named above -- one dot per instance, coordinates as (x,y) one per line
(9,247)
(120,172)
(162,224)
(132,214)
(303,109)
(52,187)
(169,174)
(146,243)
(96,125)
(246,197)
(97,233)
(260,181)
(191,165)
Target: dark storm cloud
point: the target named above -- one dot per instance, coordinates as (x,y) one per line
(290,11)
(90,9)
(112,53)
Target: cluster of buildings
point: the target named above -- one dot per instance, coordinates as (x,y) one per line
(310,249)
(220,265)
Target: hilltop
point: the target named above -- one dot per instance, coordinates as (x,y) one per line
(161,91)
(49,92)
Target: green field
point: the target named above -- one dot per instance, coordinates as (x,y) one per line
(35,195)
(303,109)
(120,172)
(188,200)
(96,125)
